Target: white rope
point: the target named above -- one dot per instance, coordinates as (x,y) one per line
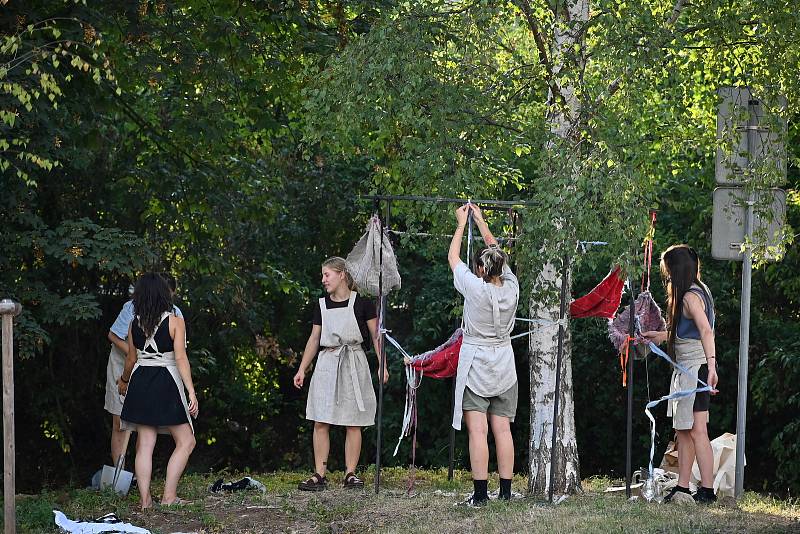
(412,384)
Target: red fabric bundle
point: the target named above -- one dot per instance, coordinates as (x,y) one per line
(603,300)
(441,362)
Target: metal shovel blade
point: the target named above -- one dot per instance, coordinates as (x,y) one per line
(116,477)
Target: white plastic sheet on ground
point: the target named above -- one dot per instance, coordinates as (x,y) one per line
(724,472)
(85,527)
(364,261)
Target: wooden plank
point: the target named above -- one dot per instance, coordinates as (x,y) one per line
(9,309)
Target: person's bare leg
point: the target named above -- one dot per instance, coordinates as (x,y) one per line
(702,449)
(117,439)
(322,446)
(145,443)
(184,445)
(685,457)
(504,443)
(352,448)
(478,430)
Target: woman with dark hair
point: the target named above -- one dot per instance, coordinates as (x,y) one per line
(486,380)
(690,341)
(157,385)
(341,391)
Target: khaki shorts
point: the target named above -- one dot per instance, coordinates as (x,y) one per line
(504,405)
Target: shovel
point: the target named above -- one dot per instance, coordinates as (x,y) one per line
(117,477)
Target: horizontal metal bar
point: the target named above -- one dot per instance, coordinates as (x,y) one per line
(448,236)
(445,200)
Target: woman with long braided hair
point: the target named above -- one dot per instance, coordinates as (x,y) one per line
(157,385)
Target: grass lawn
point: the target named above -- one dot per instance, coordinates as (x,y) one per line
(285,509)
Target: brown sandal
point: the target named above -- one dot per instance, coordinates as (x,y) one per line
(352,481)
(316,482)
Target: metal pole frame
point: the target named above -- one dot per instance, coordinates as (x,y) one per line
(744,322)
(629,416)
(382,355)
(487,205)
(559,356)
(9,309)
(744,343)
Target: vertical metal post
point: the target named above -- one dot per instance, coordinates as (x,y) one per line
(557,396)
(8,309)
(382,355)
(629,363)
(744,343)
(451,459)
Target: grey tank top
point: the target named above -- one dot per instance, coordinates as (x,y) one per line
(687,329)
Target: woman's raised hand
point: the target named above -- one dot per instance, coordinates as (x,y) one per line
(477,214)
(462,213)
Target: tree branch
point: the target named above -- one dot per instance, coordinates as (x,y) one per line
(614,86)
(525,7)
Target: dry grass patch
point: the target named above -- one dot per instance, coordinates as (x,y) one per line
(285,509)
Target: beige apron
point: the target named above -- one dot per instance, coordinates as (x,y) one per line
(159,359)
(116,364)
(341,391)
(688,353)
(494,374)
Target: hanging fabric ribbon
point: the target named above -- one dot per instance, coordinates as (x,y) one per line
(623,359)
(648,252)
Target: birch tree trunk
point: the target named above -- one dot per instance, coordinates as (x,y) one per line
(564,112)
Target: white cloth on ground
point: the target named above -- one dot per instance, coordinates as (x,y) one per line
(85,527)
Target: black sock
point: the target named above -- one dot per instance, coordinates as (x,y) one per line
(505,488)
(682,489)
(708,491)
(480,487)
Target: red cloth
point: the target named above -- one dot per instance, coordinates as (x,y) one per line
(441,362)
(603,300)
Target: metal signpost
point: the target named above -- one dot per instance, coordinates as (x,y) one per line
(757,145)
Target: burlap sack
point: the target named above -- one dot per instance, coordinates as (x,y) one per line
(364,262)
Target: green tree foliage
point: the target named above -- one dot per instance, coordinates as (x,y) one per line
(226,142)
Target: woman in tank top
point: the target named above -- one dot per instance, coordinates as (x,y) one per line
(157,385)
(690,341)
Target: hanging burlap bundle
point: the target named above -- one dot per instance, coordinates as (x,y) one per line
(364,261)
(648,316)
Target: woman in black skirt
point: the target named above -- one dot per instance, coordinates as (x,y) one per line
(157,385)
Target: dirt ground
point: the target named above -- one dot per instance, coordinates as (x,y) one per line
(284,509)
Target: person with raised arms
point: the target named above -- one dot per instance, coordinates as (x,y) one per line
(486,380)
